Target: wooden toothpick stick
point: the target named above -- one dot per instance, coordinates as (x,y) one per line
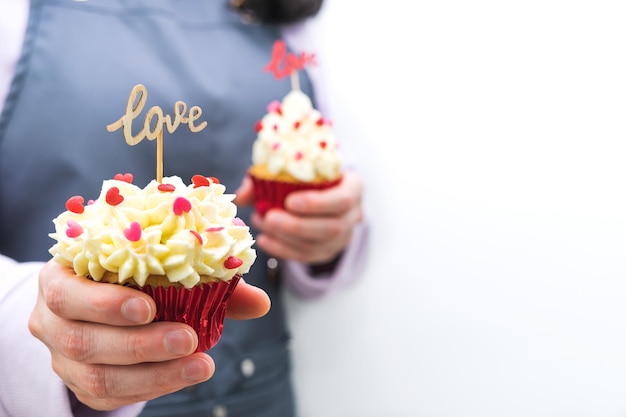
(159,164)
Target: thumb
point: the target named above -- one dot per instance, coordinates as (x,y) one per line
(244,195)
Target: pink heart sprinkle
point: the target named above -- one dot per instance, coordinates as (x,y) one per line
(133,233)
(73,229)
(181,205)
(75,204)
(232,262)
(273,106)
(238,222)
(298,156)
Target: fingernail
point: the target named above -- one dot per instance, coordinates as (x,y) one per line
(136,310)
(179,342)
(197,370)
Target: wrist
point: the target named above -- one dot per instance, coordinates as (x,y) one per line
(325,269)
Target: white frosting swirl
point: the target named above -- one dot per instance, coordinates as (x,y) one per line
(181,233)
(293,138)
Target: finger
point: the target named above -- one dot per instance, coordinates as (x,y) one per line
(308,239)
(97,343)
(245,193)
(298,230)
(106,387)
(247,302)
(78,298)
(302,252)
(327,202)
(284,226)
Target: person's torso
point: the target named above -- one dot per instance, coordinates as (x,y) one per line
(79,64)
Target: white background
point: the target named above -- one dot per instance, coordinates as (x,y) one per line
(493,145)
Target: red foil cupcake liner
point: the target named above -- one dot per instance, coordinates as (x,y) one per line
(203,307)
(270,194)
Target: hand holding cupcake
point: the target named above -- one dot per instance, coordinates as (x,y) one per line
(295,148)
(182,244)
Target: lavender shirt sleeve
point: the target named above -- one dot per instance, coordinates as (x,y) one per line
(29,385)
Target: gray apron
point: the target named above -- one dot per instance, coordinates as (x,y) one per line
(79,63)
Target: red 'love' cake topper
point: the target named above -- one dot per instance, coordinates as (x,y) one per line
(283,63)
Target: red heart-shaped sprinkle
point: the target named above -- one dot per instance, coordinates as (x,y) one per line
(133,232)
(124,177)
(113,196)
(258,126)
(215,229)
(166,187)
(197,235)
(181,205)
(323,144)
(73,229)
(233,262)
(214,180)
(200,181)
(75,204)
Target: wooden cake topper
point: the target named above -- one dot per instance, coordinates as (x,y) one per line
(154,121)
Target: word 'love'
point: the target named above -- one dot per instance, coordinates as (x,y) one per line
(154,119)
(289,61)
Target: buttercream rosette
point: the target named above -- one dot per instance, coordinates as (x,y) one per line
(182,244)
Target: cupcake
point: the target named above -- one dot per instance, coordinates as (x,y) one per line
(181,244)
(295,149)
